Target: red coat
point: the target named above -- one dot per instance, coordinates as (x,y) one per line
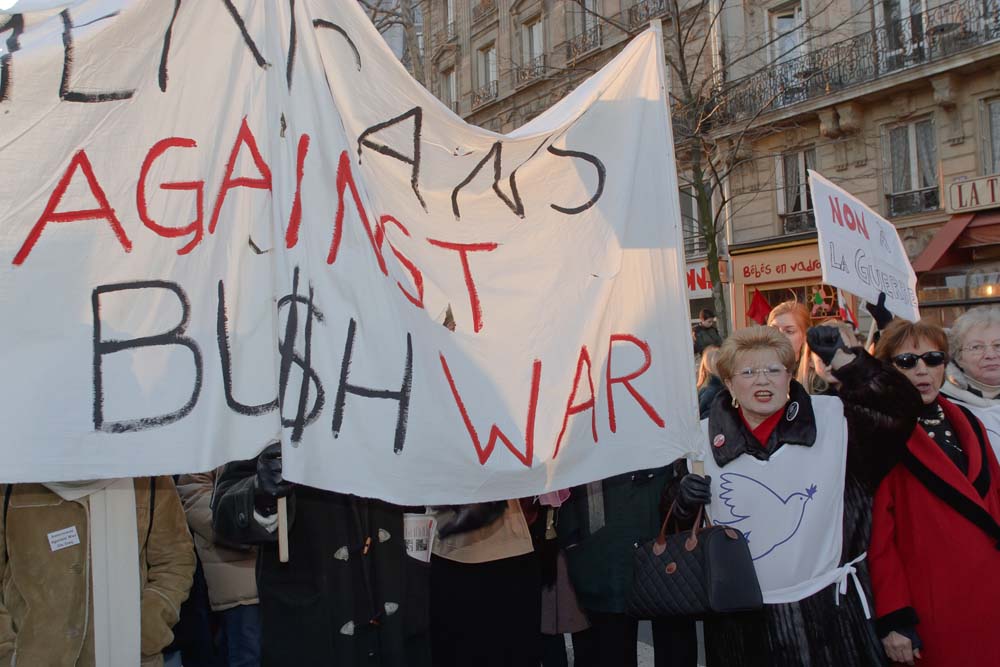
(935,548)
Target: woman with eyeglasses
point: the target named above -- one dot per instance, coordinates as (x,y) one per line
(935,545)
(973,373)
(795,473)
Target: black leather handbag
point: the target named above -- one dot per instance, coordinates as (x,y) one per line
(698,573)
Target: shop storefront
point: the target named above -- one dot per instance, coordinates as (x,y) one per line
(960,266)
(783,271)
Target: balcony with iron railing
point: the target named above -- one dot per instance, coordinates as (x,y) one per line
(641,12)
(918,39)
(445,35)
(798,222)
(483,9)
(587,41)
(915,201)
(532,70)
(485,94)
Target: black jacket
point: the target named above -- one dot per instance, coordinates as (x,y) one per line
(707,394)
(881,407)
(348,596)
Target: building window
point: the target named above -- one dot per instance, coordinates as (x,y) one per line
(787,33)
(532,40)
(449,89)
(993,137)
(912,181)
(487,65)
(795,204)
(486,74)
(418,27)
(694,241)
(532,51)
(449,11)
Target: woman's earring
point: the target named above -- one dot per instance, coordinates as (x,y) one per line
(736,404)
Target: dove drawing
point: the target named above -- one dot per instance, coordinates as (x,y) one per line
(775,519)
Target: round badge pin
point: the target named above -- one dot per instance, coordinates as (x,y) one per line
(792,412)
(719,441)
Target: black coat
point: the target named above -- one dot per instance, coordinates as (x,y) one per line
(707,394)
(336,602)
(881,408)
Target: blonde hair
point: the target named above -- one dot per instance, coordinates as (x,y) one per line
(706,369)
(801,314)
(807,375)
(749,339)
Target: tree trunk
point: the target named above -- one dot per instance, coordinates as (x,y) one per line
(411,45)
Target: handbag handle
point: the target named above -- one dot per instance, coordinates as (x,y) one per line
(699,519)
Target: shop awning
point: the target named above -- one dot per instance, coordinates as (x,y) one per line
(962,231)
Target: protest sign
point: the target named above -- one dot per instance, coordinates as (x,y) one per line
(228,224)
(860,251)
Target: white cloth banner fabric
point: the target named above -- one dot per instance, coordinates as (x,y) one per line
(860,251)
(224,226)
(790,507)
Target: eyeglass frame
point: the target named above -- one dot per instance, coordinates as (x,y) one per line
(920,357)
(769,372)
(968,349)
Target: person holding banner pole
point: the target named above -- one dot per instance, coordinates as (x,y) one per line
(796,474)
(599,527)
(349,594)
(935,545)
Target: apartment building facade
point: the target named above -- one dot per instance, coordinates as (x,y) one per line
(898,101)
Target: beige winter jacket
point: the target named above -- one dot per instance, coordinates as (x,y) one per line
(229,570)
(45,595)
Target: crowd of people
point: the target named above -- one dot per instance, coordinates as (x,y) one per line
(890,448)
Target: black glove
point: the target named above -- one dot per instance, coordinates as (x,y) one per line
(825,341)
(472,517)
(695,491)
(879,312)
(269,485)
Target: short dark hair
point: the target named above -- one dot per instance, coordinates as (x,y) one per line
(706,313)
(900,331)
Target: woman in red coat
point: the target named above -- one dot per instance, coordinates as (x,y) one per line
(935,545)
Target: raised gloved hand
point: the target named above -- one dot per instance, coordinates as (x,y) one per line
(472,517)
(825,341)
(269,485)
(879,312)
(695,491)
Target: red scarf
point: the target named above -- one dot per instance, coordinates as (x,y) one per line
(763,432)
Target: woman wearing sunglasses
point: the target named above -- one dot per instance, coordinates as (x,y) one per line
(935,545)
(796,474)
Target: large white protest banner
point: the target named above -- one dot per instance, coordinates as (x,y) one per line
(860,251)
(230,223)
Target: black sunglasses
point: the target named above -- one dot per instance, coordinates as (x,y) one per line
(909,360)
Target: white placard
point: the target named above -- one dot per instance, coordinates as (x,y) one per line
(861,251)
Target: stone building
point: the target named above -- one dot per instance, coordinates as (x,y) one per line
(897,101)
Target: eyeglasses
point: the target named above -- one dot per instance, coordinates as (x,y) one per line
(979,349)
(769,372)
(909,360)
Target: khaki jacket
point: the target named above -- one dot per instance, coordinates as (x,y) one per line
(504,538)
(229,569)
(45,595)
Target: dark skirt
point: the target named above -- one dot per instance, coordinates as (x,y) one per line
(486,614)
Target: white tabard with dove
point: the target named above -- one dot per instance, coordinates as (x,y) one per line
(790,507)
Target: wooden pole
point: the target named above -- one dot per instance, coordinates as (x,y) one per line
(698,468)
(283,530)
